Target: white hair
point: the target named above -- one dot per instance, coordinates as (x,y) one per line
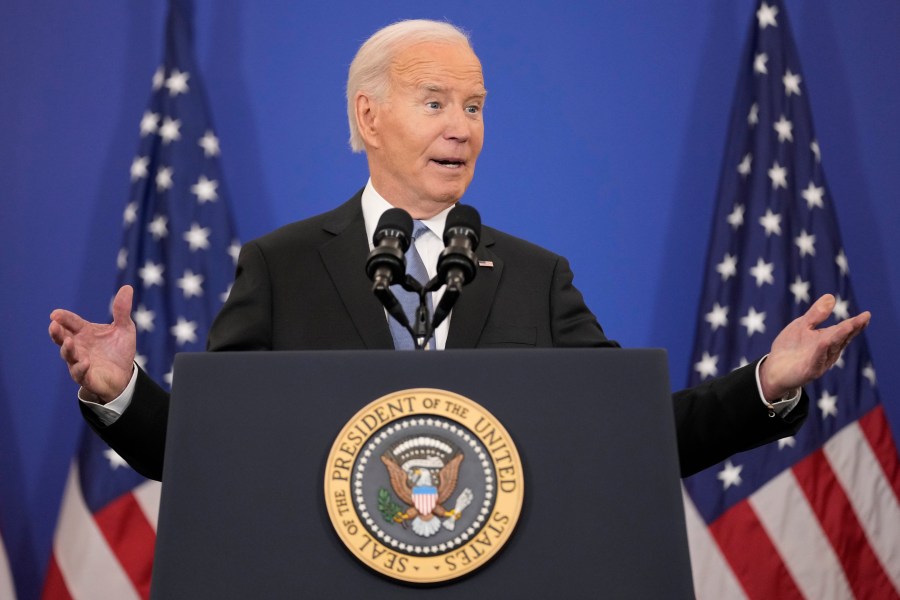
(370,69)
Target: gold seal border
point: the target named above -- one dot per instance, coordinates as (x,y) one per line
(415,402)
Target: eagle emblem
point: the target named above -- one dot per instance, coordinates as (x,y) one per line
(423,472)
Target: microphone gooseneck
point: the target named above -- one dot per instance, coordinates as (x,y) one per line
(457,264)
(386,263)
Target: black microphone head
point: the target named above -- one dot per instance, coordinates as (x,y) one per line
(465,220)
(394,222)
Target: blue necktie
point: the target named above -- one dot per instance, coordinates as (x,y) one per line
(410,300)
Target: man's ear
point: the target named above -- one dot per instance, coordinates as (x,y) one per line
(367,119)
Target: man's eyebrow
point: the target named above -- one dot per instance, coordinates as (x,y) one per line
(437,88)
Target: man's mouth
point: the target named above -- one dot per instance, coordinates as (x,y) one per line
(449,163)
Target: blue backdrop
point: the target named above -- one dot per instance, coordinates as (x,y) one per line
(605,126)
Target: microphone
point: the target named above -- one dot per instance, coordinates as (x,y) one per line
(457,264)
(386,263)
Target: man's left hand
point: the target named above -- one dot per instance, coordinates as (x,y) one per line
(802,353)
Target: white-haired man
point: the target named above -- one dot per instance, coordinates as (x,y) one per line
(415,96)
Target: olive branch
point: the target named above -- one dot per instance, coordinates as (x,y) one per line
(387,507)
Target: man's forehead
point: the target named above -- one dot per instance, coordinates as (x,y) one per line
(438,66)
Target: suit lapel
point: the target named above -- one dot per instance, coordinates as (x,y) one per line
(474,305)
(349,247)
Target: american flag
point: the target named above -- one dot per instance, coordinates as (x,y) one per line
(178,253)
(815,515)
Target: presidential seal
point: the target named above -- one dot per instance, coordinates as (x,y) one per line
(424,485)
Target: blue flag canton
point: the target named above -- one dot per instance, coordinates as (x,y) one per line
(180,248)
(775,249)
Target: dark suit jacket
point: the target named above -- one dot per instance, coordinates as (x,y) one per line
(303,287)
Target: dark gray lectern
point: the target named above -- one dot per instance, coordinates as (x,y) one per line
(243,513)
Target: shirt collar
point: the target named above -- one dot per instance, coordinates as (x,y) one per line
(374,205)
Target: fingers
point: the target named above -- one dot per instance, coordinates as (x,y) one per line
(848,329)
(67,320)
(819,311)
(77,368)
(121,307)
(56,333)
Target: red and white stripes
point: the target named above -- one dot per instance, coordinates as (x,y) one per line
(108,554)
(828,528)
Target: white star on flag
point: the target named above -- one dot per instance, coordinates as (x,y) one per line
(728,267)
(224,295)
(784,129)
(787,442)
(191,284)
(151,274)
(778,175)
(210,144)
(771,222)
(707,366)
(828,405)
(718,316)
(234,251)
(159,78)
(800,290)
(170,130)
(841,261)
(149,123)
(197,237)
(814,146)
(759,64)
(753,115)
(791,83)
(736,218)
(184,331)
(730,475)
(158,228)
(139,167)
(754,321)
(122,258)
(766,16)
(141,361)
(164,179)
(143,318)
(115,461)
(806,243)
(130,214)
(762,272)
(869,373)
(813,196)
(841,309)
(205,189)
(839,363)
(745,165)
(177,82)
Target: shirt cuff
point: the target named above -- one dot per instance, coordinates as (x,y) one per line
(780,407)
(110,412)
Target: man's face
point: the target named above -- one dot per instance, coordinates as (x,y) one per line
(428,132)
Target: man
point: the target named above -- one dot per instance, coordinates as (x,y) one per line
(415,97)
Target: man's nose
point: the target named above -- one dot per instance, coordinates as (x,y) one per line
(458,126)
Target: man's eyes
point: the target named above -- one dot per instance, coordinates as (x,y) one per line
(472,109)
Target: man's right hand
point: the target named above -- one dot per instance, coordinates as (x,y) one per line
(100,357)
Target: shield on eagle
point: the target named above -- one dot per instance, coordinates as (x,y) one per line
(425,498)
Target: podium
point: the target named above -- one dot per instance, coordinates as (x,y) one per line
(243,513)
